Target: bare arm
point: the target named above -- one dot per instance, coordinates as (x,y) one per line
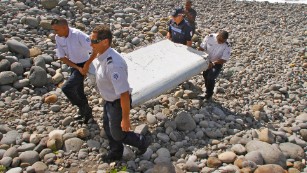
(168,35)
(70,63)
(88,62)
(125,105)
(189,43)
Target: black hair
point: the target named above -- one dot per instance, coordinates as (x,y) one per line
(224,34)
(103,32)
(59,21)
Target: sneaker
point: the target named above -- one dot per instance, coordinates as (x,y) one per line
(147,142)
(87,118)
(85,114)
(109,157)
(78,117)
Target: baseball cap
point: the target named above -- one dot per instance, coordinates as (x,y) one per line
(177,12)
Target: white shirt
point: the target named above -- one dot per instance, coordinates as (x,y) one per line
(215,50)
(76,47)
(111,75)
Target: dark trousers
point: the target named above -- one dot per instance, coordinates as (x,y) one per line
(210,76)
(74,87)
(112,118)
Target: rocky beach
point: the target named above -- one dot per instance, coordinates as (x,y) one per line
(256,123)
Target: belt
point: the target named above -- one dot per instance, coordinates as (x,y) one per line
(113,102)
(118,101)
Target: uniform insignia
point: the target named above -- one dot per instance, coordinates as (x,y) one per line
(109,60)
(115,76)
(211,35)
(88,39)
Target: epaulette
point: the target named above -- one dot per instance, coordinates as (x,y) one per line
(210,35)
(109,60)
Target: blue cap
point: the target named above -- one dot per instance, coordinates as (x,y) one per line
(177,11)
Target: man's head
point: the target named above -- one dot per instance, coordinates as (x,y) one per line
(177,15)
(222,37)
(188,4)
(101,38)
(60,27)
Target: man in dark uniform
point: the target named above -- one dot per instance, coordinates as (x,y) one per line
(190,14)
(112,83)
(179,31)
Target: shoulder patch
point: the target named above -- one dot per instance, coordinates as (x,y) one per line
(109,60)
(115,76)
(88,40)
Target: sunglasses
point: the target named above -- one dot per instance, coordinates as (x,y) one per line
(96,41)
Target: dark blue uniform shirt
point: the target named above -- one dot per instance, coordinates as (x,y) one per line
(180,33)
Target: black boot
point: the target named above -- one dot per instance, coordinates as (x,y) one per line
(85,113)
(137,140)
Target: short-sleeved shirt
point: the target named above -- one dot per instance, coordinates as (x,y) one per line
(181,33)
(111,75)
(215,50)
(76,47)
(192,22)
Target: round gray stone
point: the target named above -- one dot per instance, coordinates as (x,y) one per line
(11,152)
(17,68)
(49,4)
(270,154)
(7,77)
(10,138)
(4,65)
(6,161)
(38,76)
(73,144)
(255,156)
(29,157)
(32,22)
(21,83)
(136,41)
(26,63)
(18,47)
(293,151)
(184,121)
(39,167)
(15,170)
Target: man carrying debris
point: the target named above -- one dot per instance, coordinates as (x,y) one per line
(73,48)
(218,50)
(112,83)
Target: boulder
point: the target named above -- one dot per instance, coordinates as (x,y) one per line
(17,68)
(49,4)
(293,151)
(184,121)
(38,76)
(270,168)
(270,154)
(18,47)
(7,77)
(5,65)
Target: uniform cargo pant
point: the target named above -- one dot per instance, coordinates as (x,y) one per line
(112,118)
(210,76)
(74,87)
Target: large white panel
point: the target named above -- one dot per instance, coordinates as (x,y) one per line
(162,66)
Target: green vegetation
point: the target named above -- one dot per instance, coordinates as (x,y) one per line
(2,169)
(115,170)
